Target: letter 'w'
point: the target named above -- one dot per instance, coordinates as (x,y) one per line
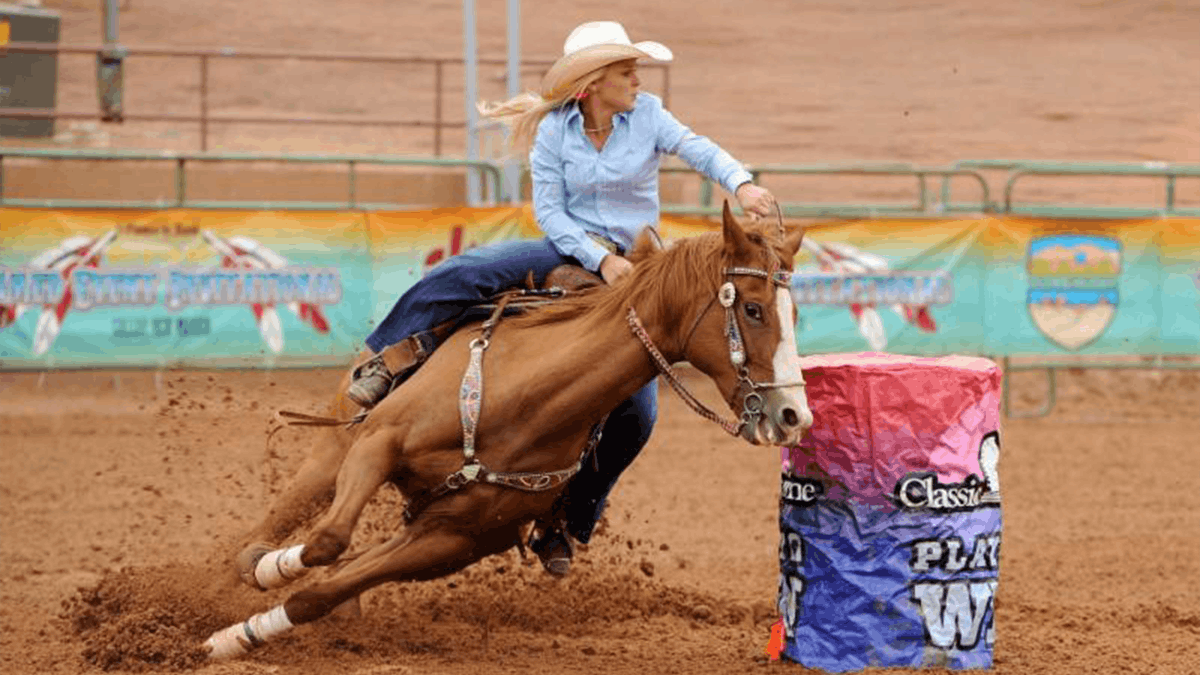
(953,612)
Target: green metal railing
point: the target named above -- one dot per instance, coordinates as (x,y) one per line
(1022,169)
(922,204)
(491,172)
(925,202)
(1050,368)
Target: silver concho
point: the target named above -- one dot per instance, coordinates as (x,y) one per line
(727,294)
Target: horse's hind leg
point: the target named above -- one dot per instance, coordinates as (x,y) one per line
(419,553)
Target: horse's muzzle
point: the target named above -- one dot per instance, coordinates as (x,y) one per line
(785,419)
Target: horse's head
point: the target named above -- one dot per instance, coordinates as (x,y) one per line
(745,337)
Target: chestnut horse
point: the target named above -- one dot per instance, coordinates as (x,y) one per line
(482,470)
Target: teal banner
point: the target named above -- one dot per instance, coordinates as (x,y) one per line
(147,288)
(1000,287)
(159,288)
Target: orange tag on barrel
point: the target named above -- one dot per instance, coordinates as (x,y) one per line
(775,644)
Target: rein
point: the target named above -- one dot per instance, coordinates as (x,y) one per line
(752,400)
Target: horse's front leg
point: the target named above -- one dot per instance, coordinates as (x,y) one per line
(368,463)
(308,493)
(423,551)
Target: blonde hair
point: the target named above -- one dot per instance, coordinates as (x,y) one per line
(524,112)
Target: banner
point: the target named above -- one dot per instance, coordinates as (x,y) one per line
(213,287)
(406,244)
(1000,286)
(152,288)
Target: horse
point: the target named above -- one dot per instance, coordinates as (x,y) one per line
(480,473)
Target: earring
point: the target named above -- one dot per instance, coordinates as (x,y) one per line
(581,95)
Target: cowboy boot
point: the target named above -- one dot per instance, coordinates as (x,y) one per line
(376,377)
(371,382)
(553,547)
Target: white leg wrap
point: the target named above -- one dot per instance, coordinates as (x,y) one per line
(270,625)
(280,567)
(225,644)
(240,638)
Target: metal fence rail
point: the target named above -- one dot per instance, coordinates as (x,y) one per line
(1017,170)
(491,172)
(205,117)
(923,203)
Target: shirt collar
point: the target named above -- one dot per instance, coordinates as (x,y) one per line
(575,112)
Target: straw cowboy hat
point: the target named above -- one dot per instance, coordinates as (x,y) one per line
(592,46)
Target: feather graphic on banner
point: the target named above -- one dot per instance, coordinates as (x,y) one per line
(305,311)
(845,259)
(240,252)
(42,261)
(71,253)
(269,326)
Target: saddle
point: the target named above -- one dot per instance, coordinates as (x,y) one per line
(403,358)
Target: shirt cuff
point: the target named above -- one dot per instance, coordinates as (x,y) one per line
(591,254)
(737,178)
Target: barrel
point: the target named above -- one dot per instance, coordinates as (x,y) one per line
(890,514)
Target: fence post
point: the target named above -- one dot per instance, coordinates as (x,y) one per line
(437,108)
(180,181)
(204,102)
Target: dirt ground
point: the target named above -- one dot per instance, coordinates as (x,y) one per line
(103,472)
(107,471)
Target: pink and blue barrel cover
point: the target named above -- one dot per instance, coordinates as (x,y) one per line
(890,514)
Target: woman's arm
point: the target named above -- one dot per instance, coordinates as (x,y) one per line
(712,161)
(549,200)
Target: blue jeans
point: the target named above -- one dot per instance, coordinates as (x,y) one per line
(468,279)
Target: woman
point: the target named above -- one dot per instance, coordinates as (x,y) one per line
(595,144)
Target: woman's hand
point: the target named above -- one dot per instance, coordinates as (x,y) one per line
(757,202)
(614,267)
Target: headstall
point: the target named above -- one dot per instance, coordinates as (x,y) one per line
(752,400)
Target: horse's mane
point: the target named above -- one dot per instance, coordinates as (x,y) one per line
(691,263)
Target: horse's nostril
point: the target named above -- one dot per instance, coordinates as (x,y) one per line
(790,417)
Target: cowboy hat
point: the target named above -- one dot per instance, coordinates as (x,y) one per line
(592,46)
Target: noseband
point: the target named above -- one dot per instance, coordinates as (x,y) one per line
(752,399)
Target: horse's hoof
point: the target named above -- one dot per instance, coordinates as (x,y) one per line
(553,547)
(247,563)
(227,644)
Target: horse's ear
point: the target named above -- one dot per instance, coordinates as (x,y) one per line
(648,243)
(792,240)
(735,237)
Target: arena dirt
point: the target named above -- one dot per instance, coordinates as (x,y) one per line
(119,495)
(118,492)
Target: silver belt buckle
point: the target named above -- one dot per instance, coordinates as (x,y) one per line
(610,246)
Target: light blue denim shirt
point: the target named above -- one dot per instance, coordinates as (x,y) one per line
(613,192)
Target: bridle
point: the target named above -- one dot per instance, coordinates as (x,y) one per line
(752,391)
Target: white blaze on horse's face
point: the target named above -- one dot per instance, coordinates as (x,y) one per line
(787,413)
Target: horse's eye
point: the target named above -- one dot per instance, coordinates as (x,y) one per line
(754,311)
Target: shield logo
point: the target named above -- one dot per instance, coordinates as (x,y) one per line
(1073,294)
